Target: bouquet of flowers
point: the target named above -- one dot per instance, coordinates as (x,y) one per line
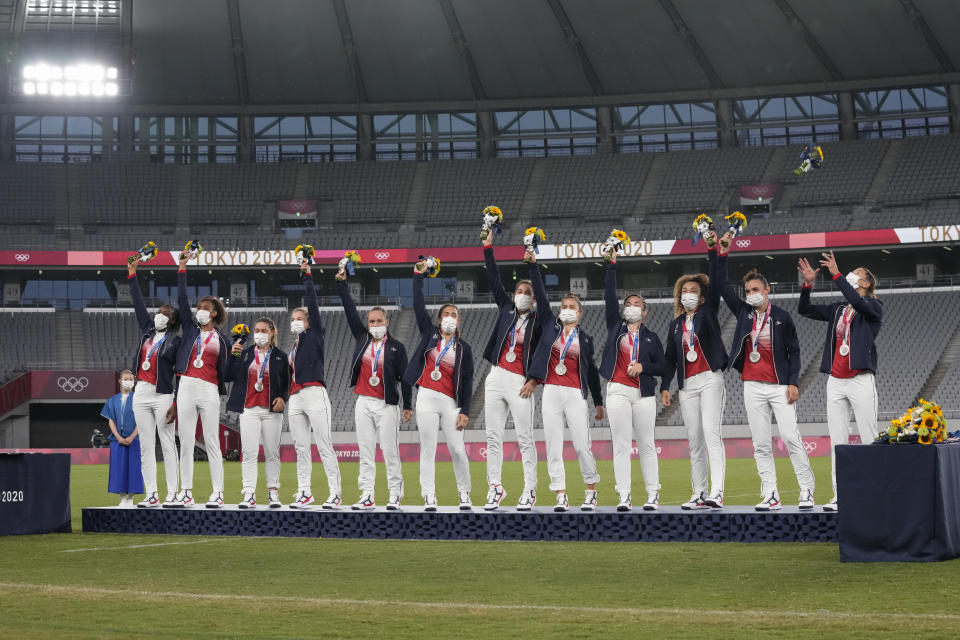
(614,242)
(146,253)
(239,334)
(492,221)
(304,253)
(348,262)
(921,424)
(432,264)
(701,224)
(192,249)
(532,238)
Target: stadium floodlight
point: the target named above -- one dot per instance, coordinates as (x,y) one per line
(74,7)
(81,79)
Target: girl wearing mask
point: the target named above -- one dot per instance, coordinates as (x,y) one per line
(849,352)
(442,367)
(261,377)
(379,361)
(563,361)
(155,363)
(631,357)
(309,402)
(125,476)
(695,353)
(202,368)
(510,350)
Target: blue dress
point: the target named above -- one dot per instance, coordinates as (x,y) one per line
(125,474)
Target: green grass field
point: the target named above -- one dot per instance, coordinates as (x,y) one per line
(126,586)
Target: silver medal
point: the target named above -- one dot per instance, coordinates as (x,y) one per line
(258,386)
(844,350)
(510,357)
(560,369)
(374,381)
(146,365)
(754,356)
(691,356)
(435,375)
(198,363)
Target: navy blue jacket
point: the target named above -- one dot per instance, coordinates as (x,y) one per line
(190,333)
(707,327)
(650,351)
(394,354)
(167,356)
(507,318)
(783,333)
(279,373)
(552,328)
(864,327)
(308,361)
(429,336)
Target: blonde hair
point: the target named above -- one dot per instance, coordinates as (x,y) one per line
(701,279)
(125,372)
(569,295)
(872,279)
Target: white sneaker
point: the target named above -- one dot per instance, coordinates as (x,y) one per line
(563,503)
(273,499)
(495,496)
(249,500)
(393,504)
(465,503)
(625,502)
(365,503)
(215,501)
(170,499)
(123,502)
(770,502)
(715,500)
(832,505)
(696,501)
(302,500)
(653,501)
(182,500)
(149,502)
(333,501)
(430,503)
(527,499)
(806,499)
(589,500)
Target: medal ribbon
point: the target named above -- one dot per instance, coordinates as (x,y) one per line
(156,345)
(266,362)
(845,320)
(566,347)
(691,332)
(201,349)
(515,330)
(755,335)
(376,355)
(436,363)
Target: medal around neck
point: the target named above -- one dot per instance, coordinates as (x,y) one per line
(692,356)
(510,357)
(374,381)
(754,356)
(844,350)
(258,386)
(198,363)
(560,369)
(146,365)
(435,375)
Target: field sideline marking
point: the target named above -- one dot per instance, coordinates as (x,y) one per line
(134,546)
(637,611)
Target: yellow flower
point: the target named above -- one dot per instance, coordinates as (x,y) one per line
(353,257)
(621,236)
(924,435)
(494,211)
(537,231)
(240,330)
(928,420)
(893,430)
(701,218)
(737,218)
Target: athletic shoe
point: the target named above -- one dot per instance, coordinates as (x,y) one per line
(273,498)
(465,504)
(625,502)
(366,502)
(174,502)
(123,502)
(149,502)
(832,505)
(249,500)
(170,499)
(589,500)
(563,504)
(215,501)
(495,496)
(806,499)
(696,501)
(393,504)
(653,501)
(771,502)
(333,501)
(527,499)
(715,500)
(430,503)
(302,500)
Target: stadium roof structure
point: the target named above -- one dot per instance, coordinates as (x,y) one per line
(383,55)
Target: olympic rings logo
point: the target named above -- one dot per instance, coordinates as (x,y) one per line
(21,257)
(72,384)
(761,191)
(810,446)
(381,255)
(744,243)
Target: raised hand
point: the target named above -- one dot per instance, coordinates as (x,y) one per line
(530,256)
(808,273)
(420,267)
(132,265)
(830,262)
(725,241)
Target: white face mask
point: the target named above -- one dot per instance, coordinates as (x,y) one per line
(448,325)
(632,314)
(755,300)
(203,317)
(690,301)
(296,326)
(523,302)
(261,339)
(377,332)
(160,322)
(126,385)
(853,279)
(568,316)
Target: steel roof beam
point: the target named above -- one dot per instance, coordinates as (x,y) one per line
(920,23)
(463,47)
(239,57)
(687,35)
(809,39)
(570,34)
(350,49)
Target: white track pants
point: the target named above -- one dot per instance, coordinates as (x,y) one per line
(436,411)
(198,397)
(502,394)
(566,405)
(762,401)
(857,394)
(701,405)
(259,424)
(631,414)
(150,410)
(372,416)
(309,409)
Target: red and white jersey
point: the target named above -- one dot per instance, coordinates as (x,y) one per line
(841,364)
(294,385)
(572,361)
(150,375)
(699,365)
(257,398)
(210,353)
(764,370)
(624,358)
(517,336)
(363,386)
(445,384)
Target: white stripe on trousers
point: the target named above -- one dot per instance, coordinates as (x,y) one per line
(197,397)
(701,405)
(150,411)
(437,411)
(372,416)
(859,395)
(260,424)
(309,409)
(561,405)
(631,414)
(763,400)
(502,394)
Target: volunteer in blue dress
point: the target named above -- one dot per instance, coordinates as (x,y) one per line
(125,478)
